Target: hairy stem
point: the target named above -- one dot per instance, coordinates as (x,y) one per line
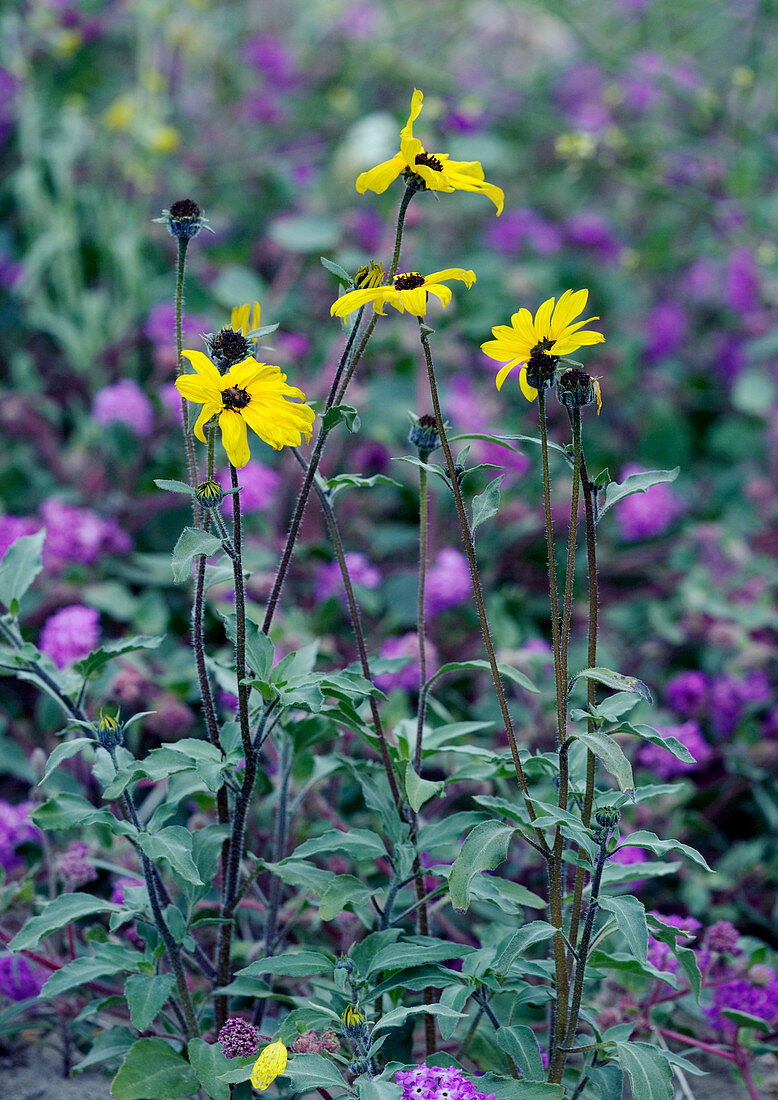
(188,441)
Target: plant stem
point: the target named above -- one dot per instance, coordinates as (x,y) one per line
(410,190)
(420,613)
(479,599)
(188,441)
(583,951)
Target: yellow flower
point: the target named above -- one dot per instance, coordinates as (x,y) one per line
(409,290)
(267,1067)
(550,331)
(240,317)
(352,1016)
(437,172)
(250,393)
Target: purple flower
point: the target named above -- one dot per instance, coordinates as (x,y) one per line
(666,328)
(592,231)
(15,829)
(517,228)
(580,94)
(239,1038)
(74,866)
(18,980)
(741,281)
(160,326)
(687,692)
(437,1083)
(723,937)
(78,535)
(272,59)
(408,676)
(646,515)
(70,634)
(756,994)
(368,229)
(258,484)
(118,888)
(329,581)
(667,766)
(124,403)
(15,527)
(448,581)
(627,856)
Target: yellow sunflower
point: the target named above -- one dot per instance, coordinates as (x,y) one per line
(250,394)
(551,331)
(240,317)
(267,1067)
(409,290)
(437,172)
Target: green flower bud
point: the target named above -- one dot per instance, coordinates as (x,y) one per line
(424,436)
(209,493)
(369,277)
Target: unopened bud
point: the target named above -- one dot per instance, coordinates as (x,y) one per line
(576,388)
(209,493)
(424,436)
(369,276)
(184,219)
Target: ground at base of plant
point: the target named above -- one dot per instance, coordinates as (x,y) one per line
(34,1072)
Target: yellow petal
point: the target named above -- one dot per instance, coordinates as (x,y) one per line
(206,413)
(194,388)
(435,181)
(440,291)
(417,99)
(568,307)
(529,391)
(566,346)
(414,300)
(348,303)
(239,319)
(379,178)
(204,367)
(543,319)
(244,373)
(466,277)
(234,437)
(503,374)
(256,316)
(597,394)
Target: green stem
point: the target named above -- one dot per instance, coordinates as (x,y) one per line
(188,441)
(479,599)
(410,191)
(583,951)
(420,613)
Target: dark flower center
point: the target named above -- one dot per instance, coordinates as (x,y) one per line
(430,161)
(409,281)
(235,398)
(185,208)
(544,345)
(230,345)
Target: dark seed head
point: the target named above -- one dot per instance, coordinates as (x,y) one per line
(228,347)
(429,161)
(575,389)
(185,208)
(235,398)
(408,281)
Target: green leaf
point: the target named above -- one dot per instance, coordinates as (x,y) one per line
(57,914)
(505,1089)
(508,896)
(99,657)
(416,951)
(634,483)
(615,680)
(342,891)
(377,1089)
(649,1073)
(644,839)
(341,414)
(648,733)
(208,1062)
(339,272)
(152,1070)
(630,917)
(610,753)
(520,1044)
(172,486)
(191,542)
(398,1016)
(419,790)
(485,847)
(110,958)
(354,481)
(537,931)
(294,964)
(311,1071)
(64,751)
(173,843)
(359,843)
(20,566)
(113,1043)
(486,504)
(688,961)
(745,1019)
(146,995)
(506,671)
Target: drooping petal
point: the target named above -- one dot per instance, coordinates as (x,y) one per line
(577,340)
(472,181)
(529,391)
(347,303)
(234,437)
(194,388)
(543,319)
(206,413)
(378,179)
(466,277)
(414,300)
(417,99)
(441,291)
(204,367)
(504,372)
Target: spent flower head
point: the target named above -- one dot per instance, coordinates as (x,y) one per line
(427,171)
(551,333)
(234,343)
(409,291)
(184,219)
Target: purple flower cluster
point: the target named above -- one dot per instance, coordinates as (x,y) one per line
(407,677)
(15,829)
(329,581)
(239,1038)
(258,484)
(645,515)
(78,535)
(18,980)
(725,698)
(448,580)
(118,888)
(15,527)
(437,1083)
(70,634)
(756,994)
(667,766)
(124,403)
(660,954)
(74,866)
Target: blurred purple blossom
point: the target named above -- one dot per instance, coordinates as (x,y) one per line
(593,231)
(687,692)
(580,94)
(258,484)
(76,534)
(756,994)
(646,515)
(125,403)
(329,581)
(448,580)
(667,326)
(18,980)
(74,866)
(742,285)
(272,59)
(730,696)
(664,764)
(516,228)
(723,937)
(15,828)
(70,634)
(368,229)
(159,328)
(118,888)
(660,954)
(408,677)
(293,345)
(437,1083)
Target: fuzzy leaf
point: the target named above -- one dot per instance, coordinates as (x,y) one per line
(191,542)
(99,657)
(635,483)
(630,917)
(173,486)
(208,1062)
(520,1044)
(20,566)
(485,848)
(341,414)
(419,790)
(58,914)
(146,994)
(649,1073)
(644,839)
(611,754)
(152,1070)
(486,504)
(616,680)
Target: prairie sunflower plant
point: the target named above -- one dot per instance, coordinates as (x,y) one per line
(435,170)
(250,394)
(551,332)
(408,291)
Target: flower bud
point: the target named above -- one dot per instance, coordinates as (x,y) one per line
(228,347)
(424,436)
(109,731)
(576,388)
(184,219)
(541,366)
(352,1017)
(607,817)
(209,493)
(369,276)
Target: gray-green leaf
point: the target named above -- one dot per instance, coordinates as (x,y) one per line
(485,847)
(152,1070)
(191,542)
(20,566)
